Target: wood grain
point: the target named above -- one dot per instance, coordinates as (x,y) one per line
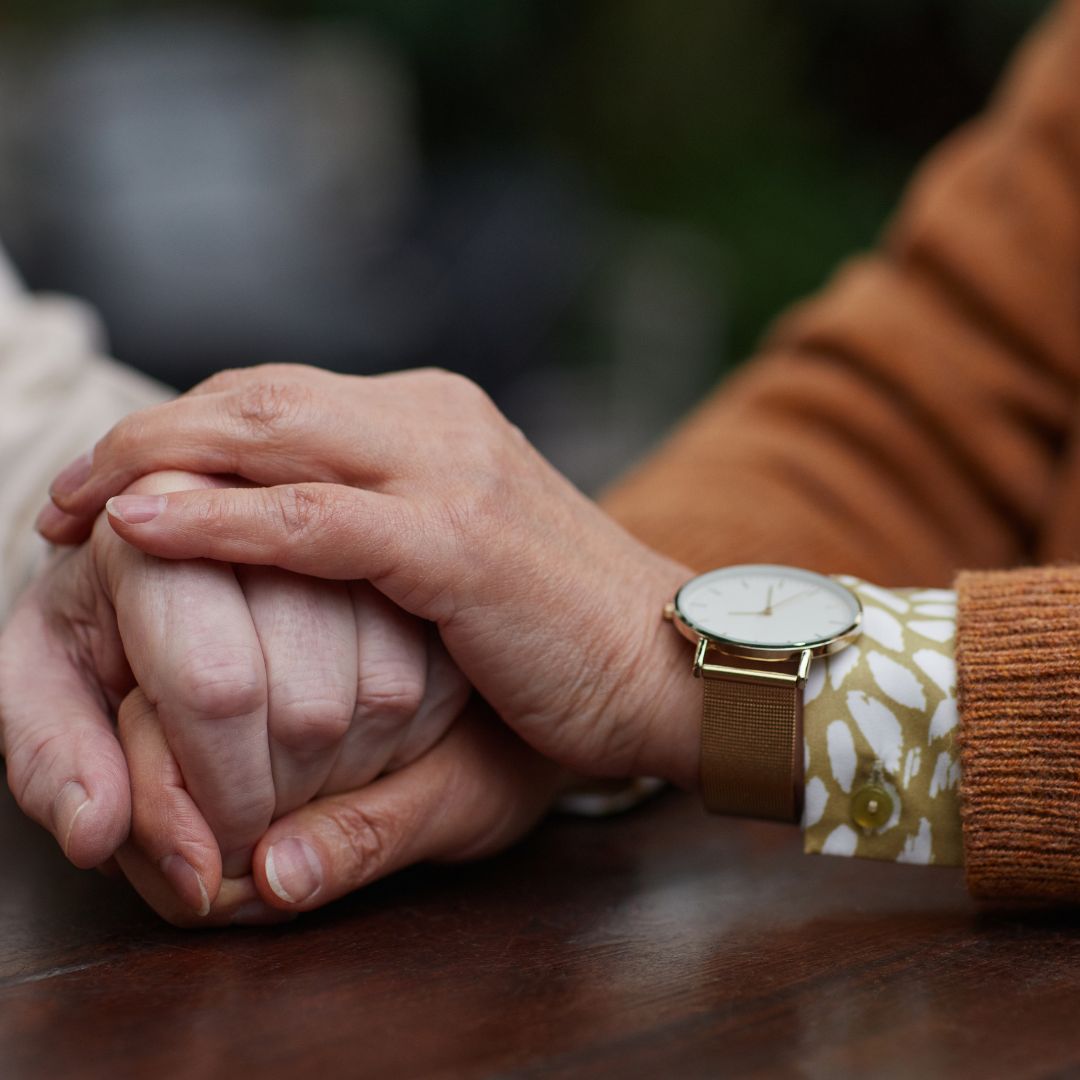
(664,943)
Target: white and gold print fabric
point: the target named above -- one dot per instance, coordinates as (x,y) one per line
(882,771)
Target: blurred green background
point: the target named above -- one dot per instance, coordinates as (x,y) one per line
(781,129)
(595,208)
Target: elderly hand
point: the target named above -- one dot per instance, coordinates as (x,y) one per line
(474,792)
(416,482)
(269,689)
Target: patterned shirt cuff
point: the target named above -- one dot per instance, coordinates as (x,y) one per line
(882,772)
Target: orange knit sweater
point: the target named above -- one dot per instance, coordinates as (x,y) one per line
(919,417)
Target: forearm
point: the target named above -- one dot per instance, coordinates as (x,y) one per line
(1018,649)
(978,759)
(58,395)
(909,420)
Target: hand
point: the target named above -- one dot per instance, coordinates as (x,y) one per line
(272,689)
(417,483)
(475,792)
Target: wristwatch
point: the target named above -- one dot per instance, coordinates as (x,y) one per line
(757,629)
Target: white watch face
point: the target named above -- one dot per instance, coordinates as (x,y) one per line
(768,607)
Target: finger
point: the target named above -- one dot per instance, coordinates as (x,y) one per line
(390,688)
(194,651)
(474,793)
(166,825)
(308,636)
(326,530)
(193,648)
(237,904)
(447,692)
(60,528)
(269,430)
(57,526)
(64,765)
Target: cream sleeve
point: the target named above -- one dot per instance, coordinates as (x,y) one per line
(59,393)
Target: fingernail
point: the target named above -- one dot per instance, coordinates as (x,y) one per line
(293,870)
(50,518)
(185,879)
(256,913)
(68,805)
(73,476)
(237,863)
(135,509)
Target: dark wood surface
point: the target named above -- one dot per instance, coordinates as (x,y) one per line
(659,944)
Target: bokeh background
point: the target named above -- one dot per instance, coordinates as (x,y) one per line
(594,208)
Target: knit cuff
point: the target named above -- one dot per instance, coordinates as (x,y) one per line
(1018,681)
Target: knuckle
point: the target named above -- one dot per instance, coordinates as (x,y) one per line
(216,683)
(310,725)
(266,405)
(232,378)
(278,370)
(212,515)
(301,511)
(226,379)
(364,837)
(455,387)
(480,439)
(389,693)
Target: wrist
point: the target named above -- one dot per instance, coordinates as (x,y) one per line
(664,697)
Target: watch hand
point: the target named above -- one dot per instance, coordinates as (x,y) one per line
(768,601)
(768,610)
(788,599)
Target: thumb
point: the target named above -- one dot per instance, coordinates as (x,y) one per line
(64,765)
(473,794)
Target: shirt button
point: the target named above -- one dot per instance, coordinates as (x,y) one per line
(871,807)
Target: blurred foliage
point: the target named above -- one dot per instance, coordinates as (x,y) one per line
(781,130)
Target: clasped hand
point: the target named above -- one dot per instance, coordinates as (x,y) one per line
(292,656)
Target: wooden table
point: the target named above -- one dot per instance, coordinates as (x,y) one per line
(660,944)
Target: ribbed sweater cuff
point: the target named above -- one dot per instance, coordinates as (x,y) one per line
(1018,681)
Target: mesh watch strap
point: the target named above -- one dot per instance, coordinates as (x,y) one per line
(751,747)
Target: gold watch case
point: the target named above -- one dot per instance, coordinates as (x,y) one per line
(804,650)
(751,733)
